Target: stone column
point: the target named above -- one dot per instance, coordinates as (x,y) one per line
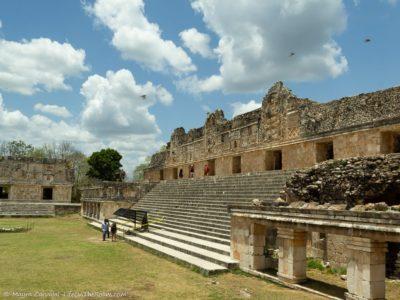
(366,269)
(292,255)
(247,243)
(256,246)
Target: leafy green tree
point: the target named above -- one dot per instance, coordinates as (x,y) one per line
(105,165)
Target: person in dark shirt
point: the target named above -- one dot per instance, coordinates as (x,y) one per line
(180,173)
(114,232)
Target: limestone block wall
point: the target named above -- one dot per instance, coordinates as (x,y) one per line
(223,166)
(25,192)
(361,143)
(253,161)
(355,125)
(62,193)
(298,156)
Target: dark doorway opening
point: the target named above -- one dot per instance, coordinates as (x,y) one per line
(161,174)
(390,142)
(237,164)
(47,193)
(324,151)
(211,166)
(3,192)
(273,160)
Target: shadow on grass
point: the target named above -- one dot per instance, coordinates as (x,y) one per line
(318,285)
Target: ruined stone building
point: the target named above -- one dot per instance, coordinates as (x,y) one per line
(286,133)
(32,180)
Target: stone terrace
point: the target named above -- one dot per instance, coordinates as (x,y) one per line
(189,220)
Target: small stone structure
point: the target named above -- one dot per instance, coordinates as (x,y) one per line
(367,235)
(287,132)
(103,199)
(35,180)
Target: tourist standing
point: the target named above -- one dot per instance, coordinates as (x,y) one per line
(104,228)
(191,171)
(180,173)
(114,232)
(206,169)
(108,228)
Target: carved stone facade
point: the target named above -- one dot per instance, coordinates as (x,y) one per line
(287,132)
(30,180)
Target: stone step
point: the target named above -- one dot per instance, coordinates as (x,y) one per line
(225,218)
(211,256)
(196,242)
(188,210)
(205,267)
(207,237)
(193,220)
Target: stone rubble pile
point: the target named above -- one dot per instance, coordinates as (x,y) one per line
(361,184)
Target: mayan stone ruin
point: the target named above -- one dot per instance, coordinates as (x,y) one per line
(35,187)
(286,133)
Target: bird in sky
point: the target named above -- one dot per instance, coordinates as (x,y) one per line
(367,40)
(143,97)
(292,54)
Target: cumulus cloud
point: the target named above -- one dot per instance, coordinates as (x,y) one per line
(38,128)
(116,105)
(59,111)
(138,39)
(194,85)
(256,39)
(241,108)
(196,42)
(27,67)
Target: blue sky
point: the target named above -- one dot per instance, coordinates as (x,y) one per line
(58,53)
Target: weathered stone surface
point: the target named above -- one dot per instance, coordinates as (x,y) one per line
(302,131)
(364,183)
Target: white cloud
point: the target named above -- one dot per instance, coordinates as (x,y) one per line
(1,24)
(29,66)
(196,42)
(194,85)
(38,129)
(137,38)
(59,111)
(256,39)
(241,108)
(115,114)
(116,105)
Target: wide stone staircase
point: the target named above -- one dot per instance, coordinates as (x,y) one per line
(189,221)
(26,209)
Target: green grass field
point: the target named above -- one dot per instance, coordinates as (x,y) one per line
(62,255)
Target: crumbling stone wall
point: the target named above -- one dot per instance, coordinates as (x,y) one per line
(353,181)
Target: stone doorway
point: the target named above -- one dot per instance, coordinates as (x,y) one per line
(273,160)
(211,166)
(47,193)
(390,142)
(236,164)
(161,174)
(4,192)
(324,151)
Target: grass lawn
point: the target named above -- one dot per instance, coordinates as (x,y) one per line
(64,254)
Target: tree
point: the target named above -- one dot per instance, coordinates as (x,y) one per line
(138,172)
(16,149)
(105,165)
